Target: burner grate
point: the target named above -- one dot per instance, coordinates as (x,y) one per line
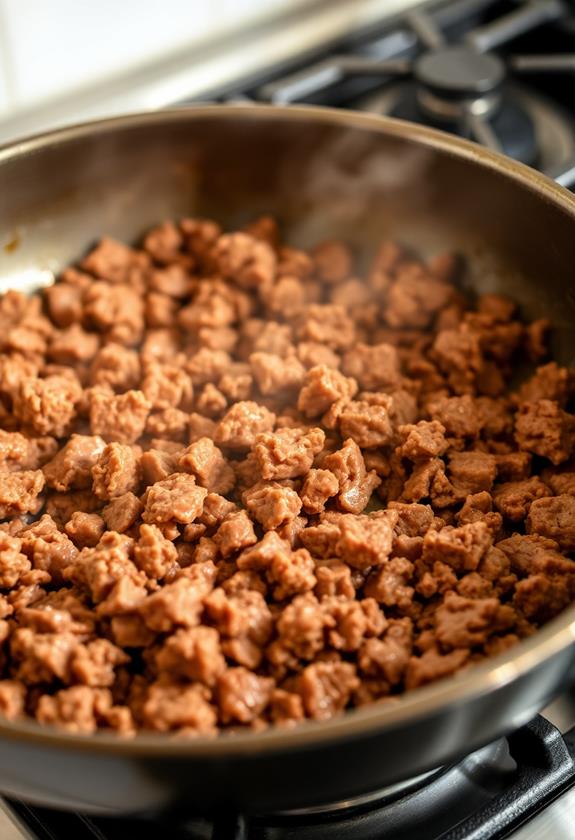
(484,797)
(446,75)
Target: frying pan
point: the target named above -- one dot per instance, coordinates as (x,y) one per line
(322,173)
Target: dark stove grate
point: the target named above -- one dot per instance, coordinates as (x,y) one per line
(459,86)
(386,69)
(484,797)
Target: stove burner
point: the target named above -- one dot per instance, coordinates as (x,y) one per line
(459,71)
(455,81)
(510,124)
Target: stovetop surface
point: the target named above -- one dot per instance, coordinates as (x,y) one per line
(522,787)
(519,98)
(524,50)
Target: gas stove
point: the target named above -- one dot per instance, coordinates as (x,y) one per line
(521,787)
(500,73)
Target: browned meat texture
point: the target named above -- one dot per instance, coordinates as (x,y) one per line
(242,485)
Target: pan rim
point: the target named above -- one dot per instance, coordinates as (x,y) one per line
(422,702)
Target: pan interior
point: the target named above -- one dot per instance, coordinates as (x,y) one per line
(321,173)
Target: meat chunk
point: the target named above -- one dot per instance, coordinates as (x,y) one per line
(12,699)
(13,563)
(94,663)
(323,386)
(553,518)
(72,466)
(154,554)
(513,499)
(192,654)
(461,548)
(328,324)
(478,507)
(235,533)
(549,382)
(99,569)
(81,709)
(117,367)
(248,261)
(415,297)
(332,261)
(467,622)
(367,424)
(333,579)
(350,622)
(388,657)
(274,374)
(458,416)
(42,657)
(47,547)
(48,406)
(242,695)
(514,466)
(458,355)
(20,493)
(541,598)
(422,440)
(177,604)
(356,484)
(116,311)
(560,479)
(319,486)
(242,423)
(177,498)
(205,461)
(326,688)
(543,428)
(433,665)
(472,472)
(114,261)
(413,520)
(362,541)
(85,529)
(374,367)
(287,453)
(390,584)
(156,465)
(172,706)
(121,417)
(272,504)
(122,512)
(292,573)
(116,471)
(64,301)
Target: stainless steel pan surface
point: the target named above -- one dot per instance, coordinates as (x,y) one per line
(322,173)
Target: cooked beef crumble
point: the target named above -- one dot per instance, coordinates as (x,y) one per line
(241,486)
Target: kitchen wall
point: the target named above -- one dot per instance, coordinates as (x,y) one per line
(70,60)
(52,47)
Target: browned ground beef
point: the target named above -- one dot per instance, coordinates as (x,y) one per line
(241,486)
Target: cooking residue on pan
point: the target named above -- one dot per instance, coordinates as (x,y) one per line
(242,485)
(12,244)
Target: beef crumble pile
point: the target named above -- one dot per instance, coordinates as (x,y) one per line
(242,486)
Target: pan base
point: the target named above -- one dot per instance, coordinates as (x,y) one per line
(486,794)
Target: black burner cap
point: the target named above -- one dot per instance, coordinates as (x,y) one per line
(459,72)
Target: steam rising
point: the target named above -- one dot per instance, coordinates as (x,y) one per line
(349,183)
